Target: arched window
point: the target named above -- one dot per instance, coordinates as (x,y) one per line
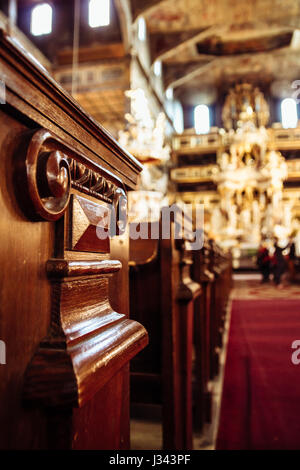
(41,19)
(178,117)
(99,13)
(157,68)
(289,115)
(201,119)
(142,29)
(169,93)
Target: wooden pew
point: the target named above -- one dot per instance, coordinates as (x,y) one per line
(64,318)
(202,337)
(162,298)
(220,265)
(211,269)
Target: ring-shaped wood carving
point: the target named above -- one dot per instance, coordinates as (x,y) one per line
(53,167)
(48,178)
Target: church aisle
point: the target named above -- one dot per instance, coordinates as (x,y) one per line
(260,403)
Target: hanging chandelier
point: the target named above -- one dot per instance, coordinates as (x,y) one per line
(144,137)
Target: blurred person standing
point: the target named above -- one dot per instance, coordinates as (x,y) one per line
(264,262)
(291,261)
(279,263)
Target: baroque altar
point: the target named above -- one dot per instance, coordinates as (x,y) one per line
(249,175)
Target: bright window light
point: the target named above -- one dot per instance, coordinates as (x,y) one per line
(201,119)
(178,118)
(142,29)
(99,13)
(169,93)
(289,115)
(157,68)
(41,20)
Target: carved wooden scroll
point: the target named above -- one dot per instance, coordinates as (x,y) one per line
(51,168)
(62,284)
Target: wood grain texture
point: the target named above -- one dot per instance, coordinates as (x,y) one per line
(220,265)
(88,341)
(65,384)
(88,221)
(49,170)
(177,306)
(171,294)
(24,299)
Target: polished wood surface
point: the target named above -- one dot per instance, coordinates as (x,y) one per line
(34,93)
(202,337)
(180,293)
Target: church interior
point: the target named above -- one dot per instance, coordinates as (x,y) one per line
(150,225)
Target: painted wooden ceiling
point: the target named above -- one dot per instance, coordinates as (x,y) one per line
(211,44)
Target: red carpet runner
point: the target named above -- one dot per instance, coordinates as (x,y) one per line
(261,394)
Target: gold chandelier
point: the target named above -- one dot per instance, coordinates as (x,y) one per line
(250,174)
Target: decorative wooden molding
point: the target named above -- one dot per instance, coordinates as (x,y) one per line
(60,269)
(186,143)
(88,342)
(97,52)
(188,289)
(52,168)
(73,346)
(87,220)
(89,182)
(193,174)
